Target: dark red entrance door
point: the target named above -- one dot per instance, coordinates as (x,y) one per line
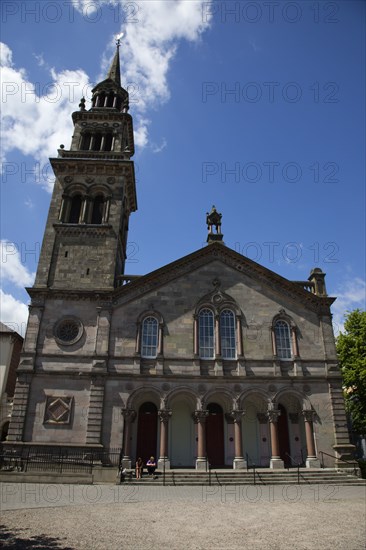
(147,431)
(215,435)
(283,436)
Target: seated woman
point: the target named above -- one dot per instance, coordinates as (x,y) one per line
(139,468)
(151,466)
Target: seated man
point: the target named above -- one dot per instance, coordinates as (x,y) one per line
(151,466)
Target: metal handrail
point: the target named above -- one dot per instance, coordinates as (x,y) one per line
(253,466)
(298,467)
(322,453)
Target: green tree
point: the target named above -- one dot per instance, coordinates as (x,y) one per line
(351,349)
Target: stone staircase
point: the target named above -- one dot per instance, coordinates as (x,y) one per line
(244,477)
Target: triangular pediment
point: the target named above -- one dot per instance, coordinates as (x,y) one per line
(217,252)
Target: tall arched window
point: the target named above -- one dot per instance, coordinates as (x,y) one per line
(283,340)
(206,334)
(75,209)
(149,338)
(97,142)
(98,208)
(85,142)
(227,334)
(108,141)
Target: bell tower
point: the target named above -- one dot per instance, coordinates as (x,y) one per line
(85,241)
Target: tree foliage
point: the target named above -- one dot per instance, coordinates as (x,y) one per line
(351,349)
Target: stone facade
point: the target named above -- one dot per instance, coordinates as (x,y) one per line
(212,358)
(10,347)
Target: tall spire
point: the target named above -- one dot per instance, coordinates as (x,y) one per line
(114,72)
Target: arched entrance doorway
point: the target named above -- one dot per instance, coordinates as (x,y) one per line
(181,435)
(147,431)
(283,436)
(215,435)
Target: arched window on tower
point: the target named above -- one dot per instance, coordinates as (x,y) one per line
(101,99)
(97,141)
(75,209)
(149,338)
(206,330)
(110,100)
(108,141)
(227,334)
(282,334)
(98,210)
(85,142)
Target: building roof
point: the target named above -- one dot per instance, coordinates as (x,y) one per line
(7,330)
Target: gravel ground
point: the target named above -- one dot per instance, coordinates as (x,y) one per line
(107,517)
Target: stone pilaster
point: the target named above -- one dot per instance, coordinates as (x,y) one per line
(342,447)
(103,329)
(129,416)
(95,412)
(20,405)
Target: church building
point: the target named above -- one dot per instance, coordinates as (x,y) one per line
(169,364)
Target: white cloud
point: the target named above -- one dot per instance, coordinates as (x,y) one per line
(152,33)
(29,111)
(152,30)
(351,295)
(13,313)
(161,147)
(11,268)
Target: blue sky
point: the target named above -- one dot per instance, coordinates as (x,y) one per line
(255,107)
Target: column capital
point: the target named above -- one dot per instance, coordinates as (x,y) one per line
(237,415)
(164,415)
(273,415)
(199,417)
(128,414)
(309,416)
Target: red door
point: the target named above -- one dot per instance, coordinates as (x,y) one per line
(215,435)
(147,432)
(283,436)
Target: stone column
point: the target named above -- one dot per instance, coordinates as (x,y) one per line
(239,336)
(164,415)
(129,416)
(195,335)
(311,461)
(275,461)
(217,336)
(200,420)
(295,348)
(239,461)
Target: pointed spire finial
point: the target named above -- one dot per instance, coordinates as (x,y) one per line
(118,39)
(114,72)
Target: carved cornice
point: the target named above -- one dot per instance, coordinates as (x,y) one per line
(231,258)
(83,230)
